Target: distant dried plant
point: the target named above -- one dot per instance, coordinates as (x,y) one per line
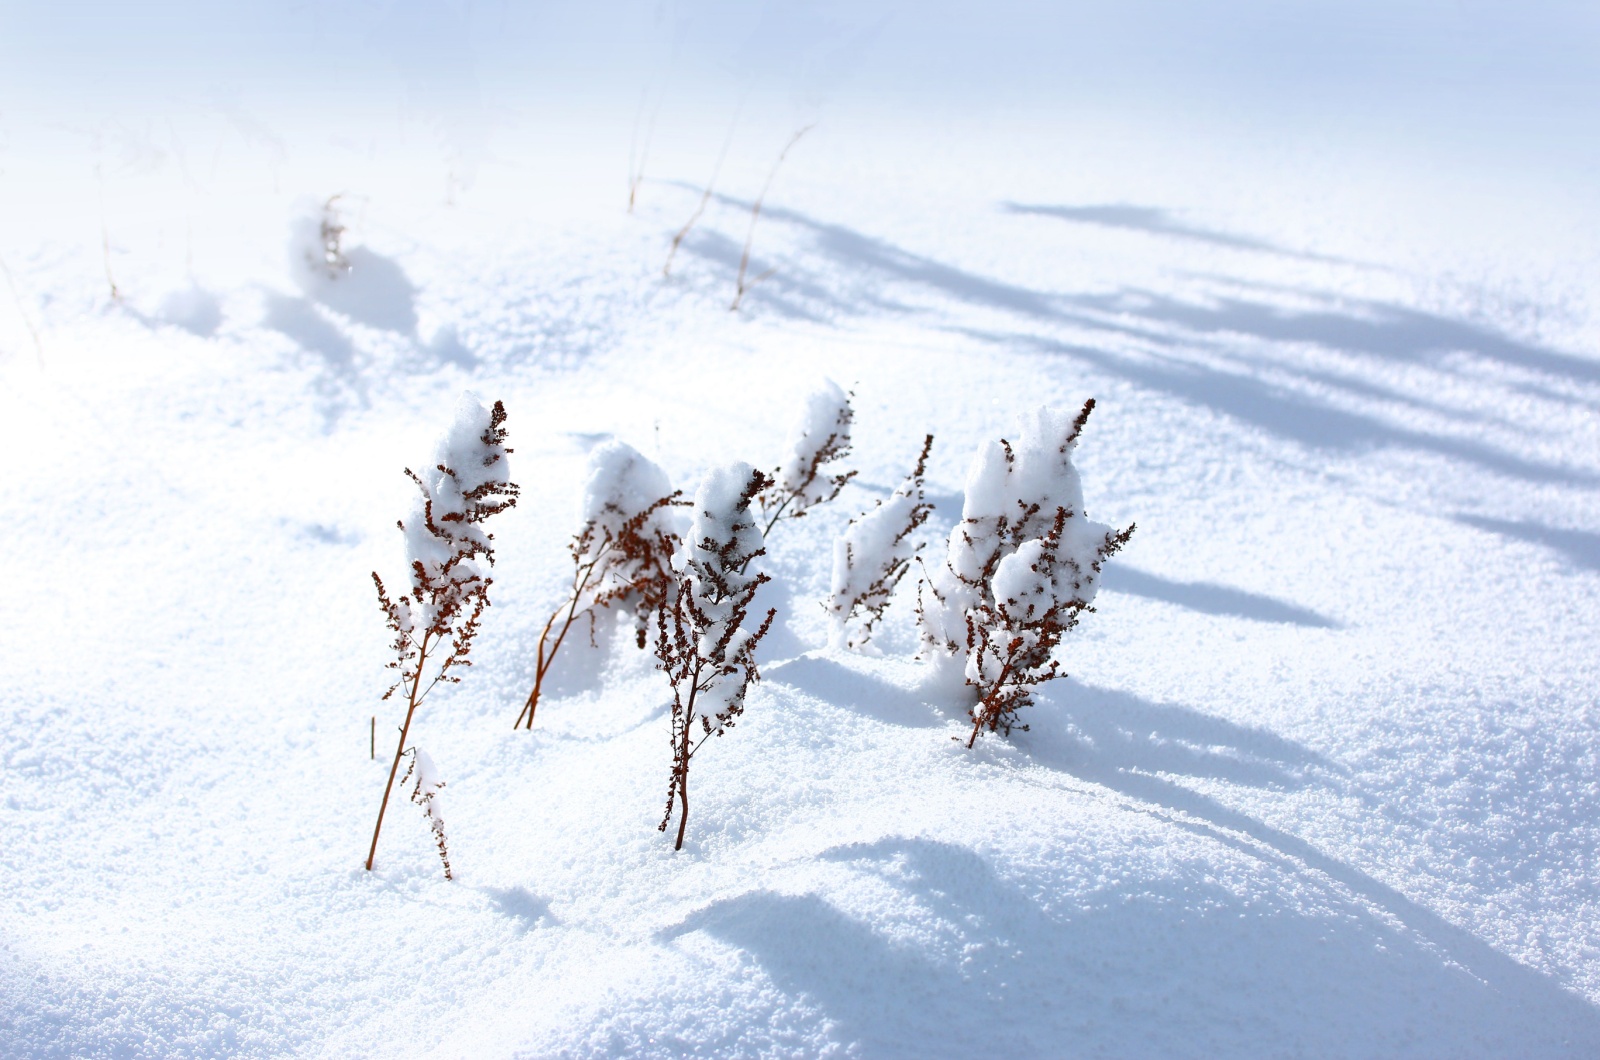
(741,287)
(329,258)
(820,437)
(874,553)
(701,643)
(436,619)
(622,555)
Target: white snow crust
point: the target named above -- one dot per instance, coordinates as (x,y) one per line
(1324,780)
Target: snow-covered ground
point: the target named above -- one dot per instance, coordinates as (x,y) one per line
(1324,779)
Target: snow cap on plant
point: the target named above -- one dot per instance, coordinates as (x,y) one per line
(1020,568)
(873,554)
(820,436)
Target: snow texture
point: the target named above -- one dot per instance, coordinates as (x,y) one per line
(1325,781)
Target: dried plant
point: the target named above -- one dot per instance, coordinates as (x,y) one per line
(328,258)
(1037,593)
(435,620)
(874,553)
(821,436)
(702,643)
(705,196)
(622,555)
(740,286)
(426,795)
(1013,582)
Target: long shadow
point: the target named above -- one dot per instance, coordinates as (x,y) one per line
(1288,414)
(1580,547)
(851,259)
(833,682)
(1115,732)
(1210,599)
(1158,222)
(1115,756)
(1166,966)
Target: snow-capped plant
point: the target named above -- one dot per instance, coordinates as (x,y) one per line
(1020,569)
(621,555)
(874,553)
(426,795)
(436,618)
(702,642)
(820,436)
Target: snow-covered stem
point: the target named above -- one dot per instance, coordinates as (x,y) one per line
(874,553)
(621,556)
(435,620)
(1019,569)
(702,643)
(820,436)
(741,286)
(426,795)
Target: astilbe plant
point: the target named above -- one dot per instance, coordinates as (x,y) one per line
(1020,568)
(874,553)
(1037,593)
(436,618)
(702,642)
(820,437)
(621,556)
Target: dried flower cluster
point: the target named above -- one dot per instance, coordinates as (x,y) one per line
(435,620)
(622,555)
(426,795)
(820,437)
(1020,567)
(1036,593)
(874,553)
(702,642)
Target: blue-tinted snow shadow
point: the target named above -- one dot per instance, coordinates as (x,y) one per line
(1076,728)
(375,294)
(828,271)
(833,682)
(520,905)
(1580,547)
(1173,965)
(1158,222)
(1209,598)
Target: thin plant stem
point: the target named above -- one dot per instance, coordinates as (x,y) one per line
(755,215)
(705,198)
(405,730)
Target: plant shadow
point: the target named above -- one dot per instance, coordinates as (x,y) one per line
(1172,967)
(1209,598)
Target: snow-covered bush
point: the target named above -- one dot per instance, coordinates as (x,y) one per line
(436,618)
(621,555)
(874,553)
(1020,568)
(820,436)
(702,642)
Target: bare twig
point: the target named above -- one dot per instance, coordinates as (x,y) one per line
(755,214)
(705,197)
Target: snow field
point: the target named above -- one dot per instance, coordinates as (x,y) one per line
(1323,781)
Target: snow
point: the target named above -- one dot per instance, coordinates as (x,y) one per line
(1325,779)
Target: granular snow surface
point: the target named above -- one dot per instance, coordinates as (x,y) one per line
(1324,779)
